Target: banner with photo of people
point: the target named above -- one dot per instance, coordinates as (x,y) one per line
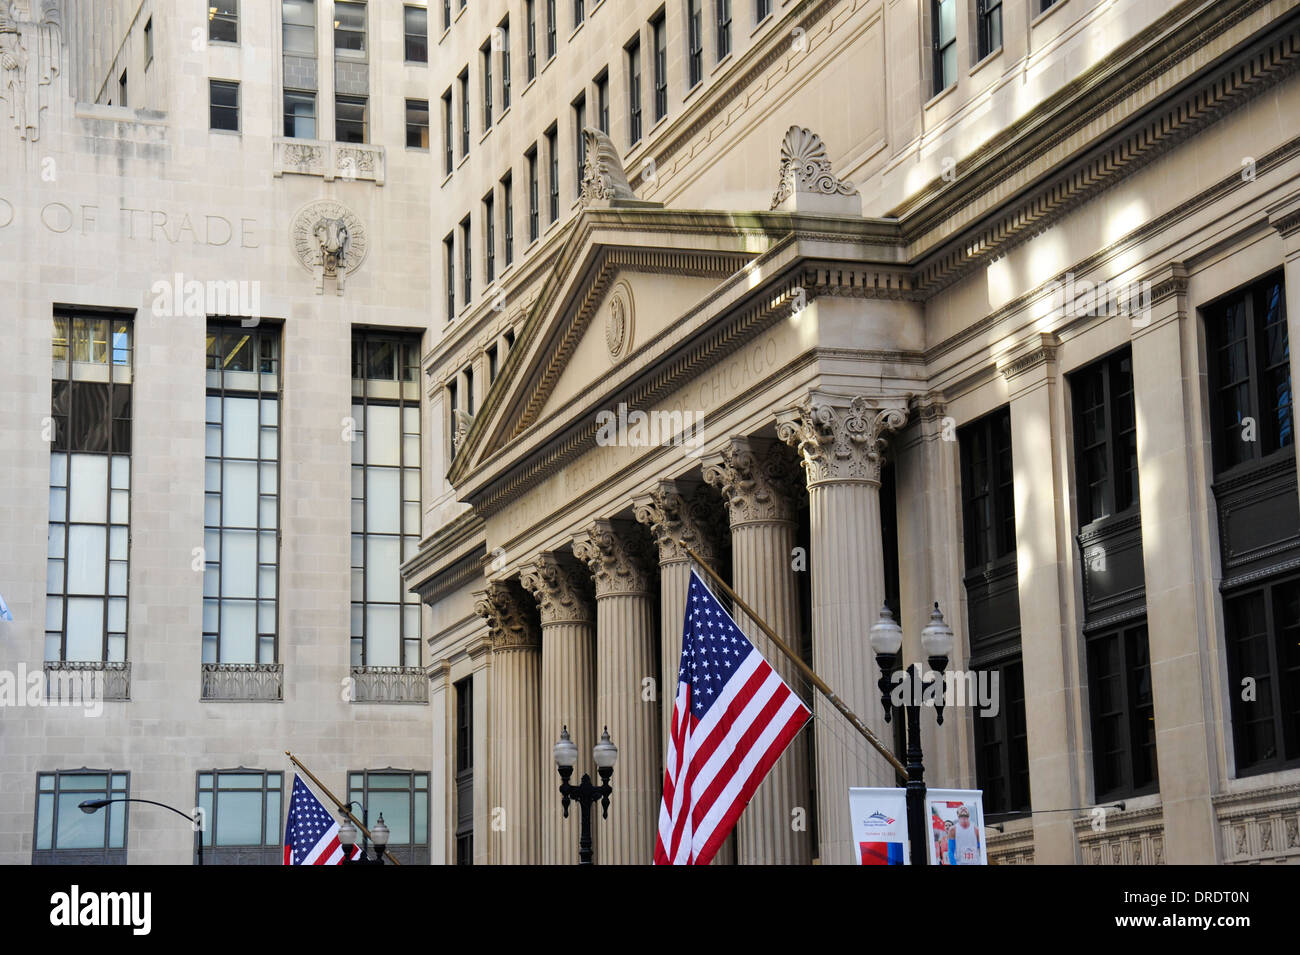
(956,827)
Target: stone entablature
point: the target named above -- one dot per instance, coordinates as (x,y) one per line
(1260,826)
(351,162)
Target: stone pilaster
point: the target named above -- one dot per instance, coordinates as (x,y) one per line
(841,441)
(516,744)
(758,480)
(568,682)
(1285,219)
(625,658)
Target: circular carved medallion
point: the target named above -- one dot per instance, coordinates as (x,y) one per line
(618,322)
(328,235)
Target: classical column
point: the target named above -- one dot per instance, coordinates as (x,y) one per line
(568,682)
(516,744)
(679,519)
(625,659)
(841,442)
(1177,543)
(442,808)
(757,480)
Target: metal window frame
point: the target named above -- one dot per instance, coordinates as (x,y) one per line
(362,795)
(659,38)
(1284,695)
(694,42)
(489,236)
(407,9)
(553,165)
(1107,369)
(417,125)
(530,13)
(107,792)
(508,216)
(632,64)
(486,51)
(347,52)
(722,23)
(939,48)
(551,47)
(579,106)
(209,832)
(1126,672)
(219,16)
(463,80)
(213,84)
(984,13)
(466,260)
(504,27)
(534,194)
(448,133)
(1006,742)
(449,245)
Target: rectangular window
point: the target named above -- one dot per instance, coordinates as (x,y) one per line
(148,42)
(1122,712)
(530,9)
(463,80)
(579,12)
(695,41)
(1263,639)
(489,238)
(349,28)
(223,21)
(446,15)
(553,162)
(1001,743)
(988,492)
(633,92)
(485,58)
(503,41)
(944,42)
(350,121)
(579,140)
(465,771)
(508,216)
(660,36)
(416,25)
(1250,374)
(468,374)
(242,813)
(122,97)
(448,134)
(550,29)
(1105,437)
(602,102)
(402,798)
(298,23)
(299,114)
(67,835)
(762,10)
(90,490)
(223,108)
(385,497)
(417,124)
(449,263)
(466,262)
(534,199)
(988,15)
(493,363)
(723,10)
(241,511)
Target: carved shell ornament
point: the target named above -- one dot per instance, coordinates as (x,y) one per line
(805,167)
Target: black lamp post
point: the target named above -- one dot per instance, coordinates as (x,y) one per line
(348,838)
(936,641)
(605,753)
(92,806)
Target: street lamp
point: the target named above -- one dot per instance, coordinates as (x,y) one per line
(92,806)
(887,642)
(605,753)
(348,837)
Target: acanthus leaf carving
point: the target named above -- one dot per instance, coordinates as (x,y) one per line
(619,561)
(838,440)
(509,618)
(757,480)
(560,588)
(678,521)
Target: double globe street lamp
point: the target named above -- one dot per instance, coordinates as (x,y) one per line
(887,642)
(605,754)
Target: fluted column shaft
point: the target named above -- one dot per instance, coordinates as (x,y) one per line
(516,746)
(841,443)
(625,660)
(756,479)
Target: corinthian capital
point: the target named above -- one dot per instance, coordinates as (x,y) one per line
(509,618)
(560,588)
(678,521)
(756,478)
(620,563)
(840,438)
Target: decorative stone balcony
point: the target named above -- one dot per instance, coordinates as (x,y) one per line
(389,685)
(256,682)
(1014,846)
(1133,837)
(1260,826)
(79,681)
(330,160)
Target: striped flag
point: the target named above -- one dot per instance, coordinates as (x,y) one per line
(311,835)
(733,716)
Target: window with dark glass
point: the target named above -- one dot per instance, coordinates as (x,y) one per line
(148,42)
(464,690)
(550,29)
(579,140)
(402,798)
(299,114)
(463,80)
(242,498)
(553,162)
(694,41)
(350,119)
(602,102)
(1250,374)
(485,60)
(722,9)
(534,199)
(1105,437)
(493,362)
(90,489)
(988,17)
(988,491)
(530,10)
(449,263)
(417,124)
(508,217)
(489,238)
(416,27)
(446,14)
(223,21)
(241,812)
(634,92)
(298,27)
(659,35)
(504,39)
(466,262)
(1263,642)
(1002,743)
(448,134)
(385,497)
(223,110)
(1123,715)
(65,834)
(762,10)
(943,14)
(349,28)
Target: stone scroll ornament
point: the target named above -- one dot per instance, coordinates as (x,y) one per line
(31,54)
(329,240)
(603,176)
(757,479)
(560,588)
(806,168)
(508,616)
(619,563)
(838,442)
(678,521)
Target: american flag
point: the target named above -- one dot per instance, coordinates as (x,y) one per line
(732,718)
(311,835)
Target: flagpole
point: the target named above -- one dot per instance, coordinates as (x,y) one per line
(323,788)
(804,668)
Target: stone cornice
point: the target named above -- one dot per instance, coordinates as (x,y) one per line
(509,617)
(620,562)
(679,519)
(454,542)
(841,438)
(757,480)
(1041,350)
(560,586)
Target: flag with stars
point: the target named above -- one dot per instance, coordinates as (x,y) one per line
(311,835)
(733,716)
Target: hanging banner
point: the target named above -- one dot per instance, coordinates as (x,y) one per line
(956,826)
(879,825)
